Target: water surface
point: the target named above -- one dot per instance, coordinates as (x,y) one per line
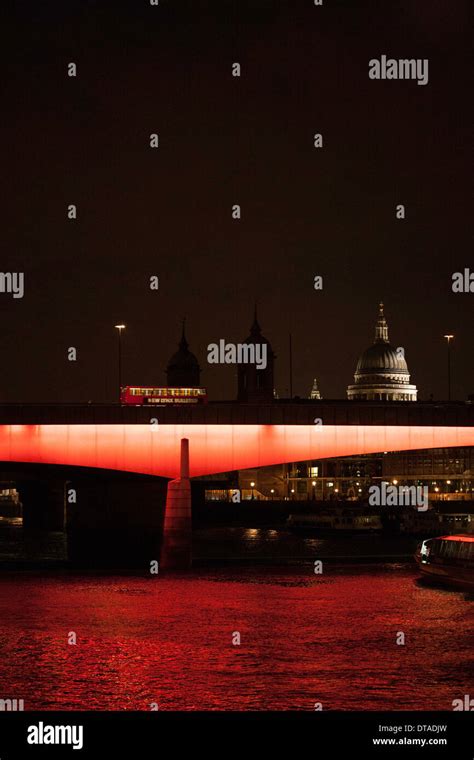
(305,638)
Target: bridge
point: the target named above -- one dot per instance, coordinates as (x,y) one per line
(224,436)
(147,441)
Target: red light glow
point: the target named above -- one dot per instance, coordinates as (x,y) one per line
(155,449)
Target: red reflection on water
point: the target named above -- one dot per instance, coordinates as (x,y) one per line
(304,639)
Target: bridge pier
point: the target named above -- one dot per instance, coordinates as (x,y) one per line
(176,552)
(115,522)
(44,504)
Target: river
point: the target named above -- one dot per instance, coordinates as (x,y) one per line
(172,641)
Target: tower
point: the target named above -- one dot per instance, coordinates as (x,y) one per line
(256,385)
(183,370)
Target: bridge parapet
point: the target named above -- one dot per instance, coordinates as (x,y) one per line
(442,414)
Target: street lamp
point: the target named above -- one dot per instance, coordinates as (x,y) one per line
(272,491)
(119,328)
(449,339)
(314,491)
(252,486)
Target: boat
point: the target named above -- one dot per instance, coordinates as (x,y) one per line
(448,560)
(10,505)
(338,521)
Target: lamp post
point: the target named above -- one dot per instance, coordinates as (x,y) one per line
(314,490)
(252,486)
(449,339)
(119,328)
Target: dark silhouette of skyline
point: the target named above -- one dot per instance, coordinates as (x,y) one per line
(226,141)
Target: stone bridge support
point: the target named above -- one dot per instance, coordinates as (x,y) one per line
(44,504)
(176,553)
(115,521)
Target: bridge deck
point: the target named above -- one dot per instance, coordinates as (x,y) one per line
(460,414)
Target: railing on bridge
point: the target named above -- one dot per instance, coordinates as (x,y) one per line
(297,412)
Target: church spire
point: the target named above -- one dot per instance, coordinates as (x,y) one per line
(255,329)
(183,369)
(381,327)
(183,343)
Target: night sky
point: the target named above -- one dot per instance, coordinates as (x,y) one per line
(225,141)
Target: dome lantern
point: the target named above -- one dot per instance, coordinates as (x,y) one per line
(381,328)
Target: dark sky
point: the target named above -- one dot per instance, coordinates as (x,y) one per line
(225,140)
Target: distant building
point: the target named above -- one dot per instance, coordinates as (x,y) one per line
(382,372)
(315,390)
(256,385)
(183,370)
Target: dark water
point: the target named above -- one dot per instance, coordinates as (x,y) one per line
(221,544)
(281,546)
(305,638)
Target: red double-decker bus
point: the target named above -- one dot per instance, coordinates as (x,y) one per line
(139,396)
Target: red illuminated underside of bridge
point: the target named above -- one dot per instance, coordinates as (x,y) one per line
(155,450)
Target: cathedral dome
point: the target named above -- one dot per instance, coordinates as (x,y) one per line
(381,357)
(382,372)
